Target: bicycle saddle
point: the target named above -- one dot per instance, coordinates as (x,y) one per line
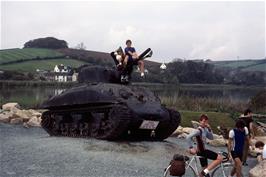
(180,157)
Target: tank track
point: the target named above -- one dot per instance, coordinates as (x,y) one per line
(107,122)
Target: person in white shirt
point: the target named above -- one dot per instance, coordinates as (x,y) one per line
(262,147)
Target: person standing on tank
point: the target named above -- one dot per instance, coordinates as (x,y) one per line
(132,56)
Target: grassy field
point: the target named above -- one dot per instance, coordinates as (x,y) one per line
(14,55)
(31,66)
(215,119)
(247,65)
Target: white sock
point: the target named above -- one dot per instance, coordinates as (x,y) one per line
(206,171)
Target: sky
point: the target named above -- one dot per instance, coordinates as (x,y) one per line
(223,30)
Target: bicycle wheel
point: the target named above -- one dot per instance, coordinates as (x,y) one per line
(190,172)
(224,170)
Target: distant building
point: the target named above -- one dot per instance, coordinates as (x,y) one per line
(163,66)
(63,73)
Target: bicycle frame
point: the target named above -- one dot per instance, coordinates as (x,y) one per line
(195,167)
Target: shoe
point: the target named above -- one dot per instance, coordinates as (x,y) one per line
(244,164)
(141,74)
(204,174)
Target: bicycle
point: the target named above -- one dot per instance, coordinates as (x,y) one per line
(191,166)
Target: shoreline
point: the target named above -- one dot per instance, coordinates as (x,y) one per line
(7,83)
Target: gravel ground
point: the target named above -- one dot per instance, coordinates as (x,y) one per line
(33,153)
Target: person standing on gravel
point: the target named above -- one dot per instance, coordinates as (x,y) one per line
(247,118)
(237,138)
(204,131)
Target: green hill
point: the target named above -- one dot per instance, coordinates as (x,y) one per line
(30,59)
(9,56)
(32,65)
(245,65)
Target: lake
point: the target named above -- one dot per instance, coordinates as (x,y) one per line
(31,97)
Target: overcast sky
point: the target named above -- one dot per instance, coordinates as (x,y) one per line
(214,30)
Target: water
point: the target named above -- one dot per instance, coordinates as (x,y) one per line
(31,97)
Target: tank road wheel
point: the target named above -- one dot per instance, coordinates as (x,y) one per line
(111,125)
(48,123)
(167,128)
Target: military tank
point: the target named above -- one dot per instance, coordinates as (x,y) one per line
(102,108)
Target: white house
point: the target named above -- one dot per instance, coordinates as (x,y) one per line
(62,73)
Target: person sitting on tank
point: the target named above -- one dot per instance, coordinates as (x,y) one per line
(132,57)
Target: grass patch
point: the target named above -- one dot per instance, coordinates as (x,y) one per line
(204,104)
(12,55)
(215,119)
(49,64)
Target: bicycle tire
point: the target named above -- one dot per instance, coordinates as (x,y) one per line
(217,172)
(190,172)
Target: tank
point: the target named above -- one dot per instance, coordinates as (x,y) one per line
(103,108)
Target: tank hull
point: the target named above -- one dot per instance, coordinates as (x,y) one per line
(117,112)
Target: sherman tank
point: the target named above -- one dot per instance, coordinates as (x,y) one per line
(102,108)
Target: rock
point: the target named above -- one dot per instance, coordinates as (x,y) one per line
(259,170)
(221,142)
(34,113)
(16,121)
(195,124)
(215,136)
(9,106)
(188,130)
(178,131)
(254,152)
(26,125)
(182,136)
(24,114)
(34,122)
(4,118)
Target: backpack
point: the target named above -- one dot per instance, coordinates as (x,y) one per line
(178,165)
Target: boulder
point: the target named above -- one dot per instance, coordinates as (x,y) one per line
(4,118)
(34,122)
(16,121)
(188,130)
(34,113)
(221,142)
(195,124)
(26,125)
(24,114)
(254,152)
(259,170)
(178,131)
(9,106)
(215,136)
(182,136)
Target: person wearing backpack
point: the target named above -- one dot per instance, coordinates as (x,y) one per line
(201,133)
(237,138)
(249,123)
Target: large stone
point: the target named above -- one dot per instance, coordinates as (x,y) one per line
(259,170)
(178,131)
(24,114)
(34,113)
(188,130)
(195,124)
(4,118)
(34,122)
(254,152)
(16,121)
(9,106)
(221,142)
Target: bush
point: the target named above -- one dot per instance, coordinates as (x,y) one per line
(258,102)
(48,42)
